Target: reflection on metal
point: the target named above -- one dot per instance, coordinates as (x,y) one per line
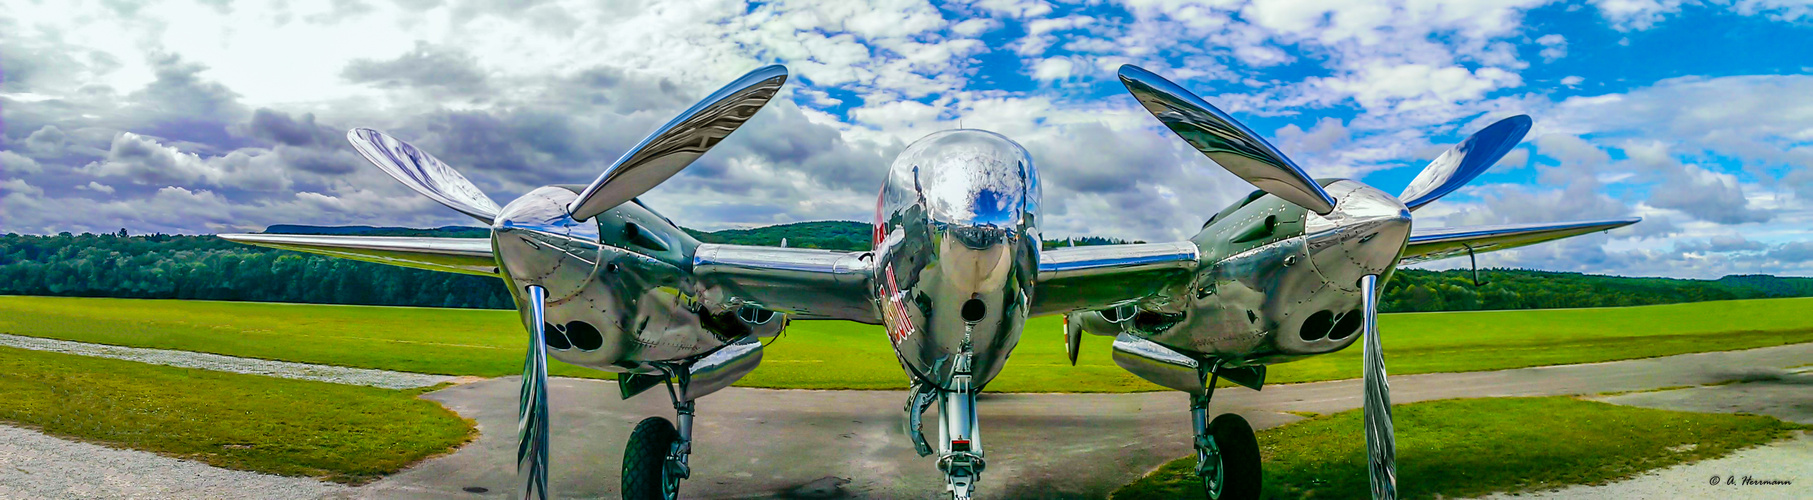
(1100,276)
(1221,138)
(957,220)
(1381,446)
(1073,335)
(807,283)
(1159,364)
(679,142)
(1111,260)
(423,173)
(1444,242)
(1460,164)
(532,408)
(454,255)
(721,368)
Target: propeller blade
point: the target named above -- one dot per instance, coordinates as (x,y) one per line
(1381,445)
(1073,335)
(532,408)
(424,173)
(677,144)
(1224,140)
(1460,164)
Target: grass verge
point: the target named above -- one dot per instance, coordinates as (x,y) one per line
(342,433)
(1469,447)
(844,355)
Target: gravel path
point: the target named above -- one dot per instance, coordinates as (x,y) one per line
(186,359)
(1766,467)
(33,465)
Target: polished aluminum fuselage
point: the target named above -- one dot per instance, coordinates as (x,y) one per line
(956,252)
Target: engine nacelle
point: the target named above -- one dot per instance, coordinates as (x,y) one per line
(620,290)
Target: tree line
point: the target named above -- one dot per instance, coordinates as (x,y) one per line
(162,266)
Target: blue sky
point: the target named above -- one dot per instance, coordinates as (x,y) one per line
(221,115)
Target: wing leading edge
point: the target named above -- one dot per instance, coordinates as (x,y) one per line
(1440,243)
(453,255)
(803,282)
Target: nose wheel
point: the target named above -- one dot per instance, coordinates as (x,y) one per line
(655,460)
(646,474)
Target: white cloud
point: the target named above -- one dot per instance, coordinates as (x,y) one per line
(15,164)
(21,187)
(1056,68)
(1629,15)
(1554,46)
(1383,87)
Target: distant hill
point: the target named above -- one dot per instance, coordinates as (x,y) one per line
(206,267)
(1453,290)
(441,232)
(826,234)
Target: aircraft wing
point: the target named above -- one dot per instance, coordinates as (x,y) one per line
(802,282)
(1440,243)
(453,255)
(1099,276)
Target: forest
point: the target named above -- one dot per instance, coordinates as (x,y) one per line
(205,267)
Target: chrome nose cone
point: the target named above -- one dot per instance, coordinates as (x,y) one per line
(1363,235)
(970,178)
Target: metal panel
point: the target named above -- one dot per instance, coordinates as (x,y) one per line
(1159,364)
(807,283)
(1094,277)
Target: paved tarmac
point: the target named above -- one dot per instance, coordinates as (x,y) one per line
(754,443)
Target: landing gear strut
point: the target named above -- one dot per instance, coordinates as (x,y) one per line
(960,451)
(655,460)
(1227,453)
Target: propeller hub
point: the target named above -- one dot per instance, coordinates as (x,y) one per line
(1364,234)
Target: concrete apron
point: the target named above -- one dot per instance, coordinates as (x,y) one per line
(756,443)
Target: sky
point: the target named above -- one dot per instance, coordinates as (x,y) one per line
(229,115)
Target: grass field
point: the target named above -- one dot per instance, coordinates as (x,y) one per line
(1470,447)
(831,355)
(344,433)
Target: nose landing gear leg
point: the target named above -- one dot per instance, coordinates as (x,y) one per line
(961,455)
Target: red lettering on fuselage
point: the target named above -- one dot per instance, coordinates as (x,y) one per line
(900,325)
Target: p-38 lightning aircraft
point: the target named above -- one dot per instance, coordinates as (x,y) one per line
(603,281)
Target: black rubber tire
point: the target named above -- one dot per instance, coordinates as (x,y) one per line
(1241,476)
(645,461)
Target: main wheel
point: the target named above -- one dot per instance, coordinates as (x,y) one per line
(645,474)
(1240,477)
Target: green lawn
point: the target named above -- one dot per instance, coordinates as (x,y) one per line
(828,354)
(1470,447)
(344,433)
